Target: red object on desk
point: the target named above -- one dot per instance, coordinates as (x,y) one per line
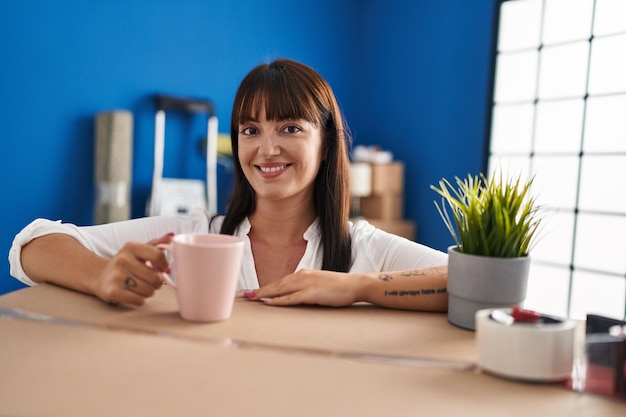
(525,316)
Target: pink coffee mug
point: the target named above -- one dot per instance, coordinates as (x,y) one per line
(206,270)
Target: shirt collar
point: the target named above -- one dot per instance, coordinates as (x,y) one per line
(311,233)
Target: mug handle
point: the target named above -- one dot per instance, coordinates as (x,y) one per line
(167,247)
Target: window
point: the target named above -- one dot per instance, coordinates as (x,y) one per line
(559,113)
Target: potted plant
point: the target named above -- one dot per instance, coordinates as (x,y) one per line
(493,223)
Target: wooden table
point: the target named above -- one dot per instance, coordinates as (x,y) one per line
(65,353)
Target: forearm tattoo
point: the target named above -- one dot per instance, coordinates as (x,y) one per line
(389,277)
(415,273)
(415,293)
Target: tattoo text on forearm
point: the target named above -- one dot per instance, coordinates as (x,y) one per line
(415,293)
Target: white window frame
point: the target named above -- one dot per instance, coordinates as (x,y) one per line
(555,89)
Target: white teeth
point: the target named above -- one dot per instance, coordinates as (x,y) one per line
(272,169)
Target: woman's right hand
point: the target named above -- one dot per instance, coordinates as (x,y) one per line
(134,273)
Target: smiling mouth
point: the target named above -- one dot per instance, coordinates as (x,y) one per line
(272,169)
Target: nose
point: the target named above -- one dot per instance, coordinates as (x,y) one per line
(269,146)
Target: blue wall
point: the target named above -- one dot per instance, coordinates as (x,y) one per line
(411,76)
(422,92)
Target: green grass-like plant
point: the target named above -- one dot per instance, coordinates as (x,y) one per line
(489,217)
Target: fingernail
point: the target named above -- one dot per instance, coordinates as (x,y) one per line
(168,270)
(249,294)
(171,234)
(266,300)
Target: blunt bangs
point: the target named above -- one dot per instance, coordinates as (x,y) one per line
(282,95)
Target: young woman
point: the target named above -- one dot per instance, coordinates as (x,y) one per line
(290,204)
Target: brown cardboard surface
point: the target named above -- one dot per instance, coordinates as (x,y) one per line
(361,328)
(384,207)
(388,178)
(59,370)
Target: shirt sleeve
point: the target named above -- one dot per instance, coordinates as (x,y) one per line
(374,250)
(107,239)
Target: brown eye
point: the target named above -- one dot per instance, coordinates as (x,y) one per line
(247,131)
(292,129)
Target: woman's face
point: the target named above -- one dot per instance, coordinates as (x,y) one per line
(280,159)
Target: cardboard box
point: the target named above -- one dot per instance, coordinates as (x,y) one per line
(384,207)
(388,178)
(404,228)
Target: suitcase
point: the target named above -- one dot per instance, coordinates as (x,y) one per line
(176,196)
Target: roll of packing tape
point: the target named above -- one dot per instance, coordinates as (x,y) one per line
(540,352)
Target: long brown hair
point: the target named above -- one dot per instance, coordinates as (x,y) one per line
(291,90)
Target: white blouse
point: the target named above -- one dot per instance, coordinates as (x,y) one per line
(373,250)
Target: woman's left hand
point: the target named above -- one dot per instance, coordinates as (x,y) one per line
(334,289)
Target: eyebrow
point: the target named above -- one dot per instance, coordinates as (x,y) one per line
(287,119)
